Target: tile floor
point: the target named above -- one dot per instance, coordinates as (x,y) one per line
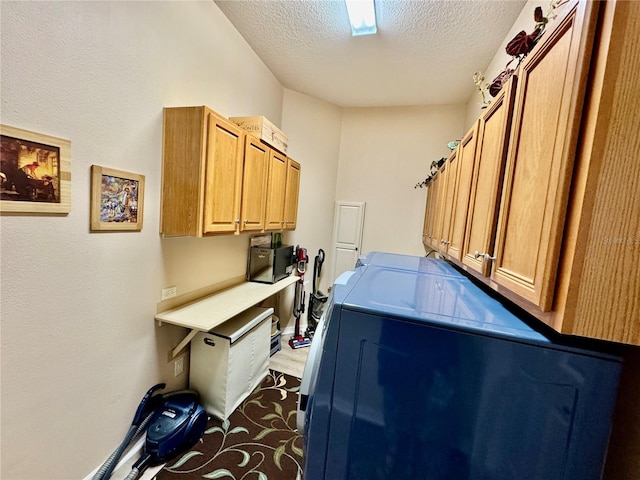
(288,360)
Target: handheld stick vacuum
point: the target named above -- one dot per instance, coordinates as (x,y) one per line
(317,299)
(298,340)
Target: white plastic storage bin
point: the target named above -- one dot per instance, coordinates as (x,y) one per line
(230,361)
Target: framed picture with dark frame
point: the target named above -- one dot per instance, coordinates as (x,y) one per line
(117,199)
(35,172)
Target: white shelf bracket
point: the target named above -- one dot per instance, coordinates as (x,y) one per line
(183,343)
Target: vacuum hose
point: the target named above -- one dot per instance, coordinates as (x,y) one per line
(139,467)
(141,419)
(105,471)
(133,474)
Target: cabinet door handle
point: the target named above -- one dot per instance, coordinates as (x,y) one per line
(237,220)
(485,256)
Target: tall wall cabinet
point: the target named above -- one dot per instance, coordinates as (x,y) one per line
(217,179)
(552,211)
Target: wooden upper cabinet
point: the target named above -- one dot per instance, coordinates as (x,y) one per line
(223,176)
(440,183)
(554,210)
(486,184)
(217,179)
(546,120)
(292,192)
(428,214)
(466,159)
(254,185)
(431,209)
(201,172)
(446,211)
(276,184)
(599,275)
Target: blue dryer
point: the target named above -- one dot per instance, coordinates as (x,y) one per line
(416,373)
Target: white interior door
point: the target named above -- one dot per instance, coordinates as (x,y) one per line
(348,224)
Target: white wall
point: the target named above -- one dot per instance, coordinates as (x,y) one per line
(384,153)
(79,344)
(523,22)
(313,127)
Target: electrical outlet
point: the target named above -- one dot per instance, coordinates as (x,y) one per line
(178,366)
(169,292)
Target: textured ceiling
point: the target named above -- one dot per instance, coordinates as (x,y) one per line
(425,51)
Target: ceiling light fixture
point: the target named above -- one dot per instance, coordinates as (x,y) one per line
(362,16)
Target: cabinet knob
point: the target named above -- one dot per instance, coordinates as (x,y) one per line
(246,221)
(237,220)
(485,256)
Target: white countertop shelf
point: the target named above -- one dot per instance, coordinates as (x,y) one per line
(211,311)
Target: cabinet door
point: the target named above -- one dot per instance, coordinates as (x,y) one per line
(254,184)
(486,185)
(428,214)
(465,159)
(546,118)
(276,184)
(447,199)
(292,194)
(439,186)
(223,175)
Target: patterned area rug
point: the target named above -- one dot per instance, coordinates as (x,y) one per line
(258,441)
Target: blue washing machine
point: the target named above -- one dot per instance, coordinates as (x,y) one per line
(418,374)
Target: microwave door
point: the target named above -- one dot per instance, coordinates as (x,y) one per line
(262,265)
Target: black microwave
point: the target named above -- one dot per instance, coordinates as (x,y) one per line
(268,265)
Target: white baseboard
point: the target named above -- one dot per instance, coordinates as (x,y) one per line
(290,330)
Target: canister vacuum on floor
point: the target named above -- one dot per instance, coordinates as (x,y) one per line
(174,422)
